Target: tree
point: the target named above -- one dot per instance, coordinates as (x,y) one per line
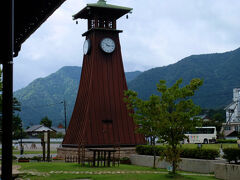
(173,114)
(146,116)
(17,122)
(215,118)
(46,122)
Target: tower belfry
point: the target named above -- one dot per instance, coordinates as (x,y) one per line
(100,117)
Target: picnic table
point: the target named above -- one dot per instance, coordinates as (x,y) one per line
(102,156)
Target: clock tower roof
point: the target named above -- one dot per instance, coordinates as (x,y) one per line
(102,9)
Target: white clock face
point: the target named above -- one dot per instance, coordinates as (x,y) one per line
(86,46)
(107,45)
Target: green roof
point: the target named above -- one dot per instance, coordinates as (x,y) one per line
(103,4)
(102,8)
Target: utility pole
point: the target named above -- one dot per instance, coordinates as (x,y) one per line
(65,115)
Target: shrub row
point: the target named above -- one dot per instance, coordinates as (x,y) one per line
(149,150)
(186,153)
(36,158)
(231,154)
(226,141)
(196,153)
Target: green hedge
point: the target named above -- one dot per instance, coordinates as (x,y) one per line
(195,153)
(231,154)
(226,141)
(149,150)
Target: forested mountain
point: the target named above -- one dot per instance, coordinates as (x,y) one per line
(220,72)
(44,96)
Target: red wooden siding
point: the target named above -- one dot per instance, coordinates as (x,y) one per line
(100,117)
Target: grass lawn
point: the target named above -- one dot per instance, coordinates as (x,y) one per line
(66,171)
(119,177)
(32,152)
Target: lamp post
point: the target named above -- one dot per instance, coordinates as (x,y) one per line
(65,114)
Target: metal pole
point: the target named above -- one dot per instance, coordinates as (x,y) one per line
(21,146)
(7,92)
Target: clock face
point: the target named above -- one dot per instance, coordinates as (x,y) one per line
(107,45)
(86,46)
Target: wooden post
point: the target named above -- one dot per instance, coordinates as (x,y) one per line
(7,121)
(43,147)
(104,158)
(109,159)
(98,158)
(7,24)
(94,158)
(48,146)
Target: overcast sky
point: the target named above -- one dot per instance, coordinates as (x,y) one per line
(157,33)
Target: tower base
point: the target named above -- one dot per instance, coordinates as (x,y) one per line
(64,152)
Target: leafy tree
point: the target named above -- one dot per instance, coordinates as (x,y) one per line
(216,118)
(18,131)
(146,116)
(172,114)
(17,122)
(218,115)
(46,122)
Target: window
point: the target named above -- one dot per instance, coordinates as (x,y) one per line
(236,128)
(92,23)
(110,24)
(227,128)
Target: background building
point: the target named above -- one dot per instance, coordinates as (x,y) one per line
(231,128)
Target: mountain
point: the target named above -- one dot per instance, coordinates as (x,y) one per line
(220,73)
(44,96)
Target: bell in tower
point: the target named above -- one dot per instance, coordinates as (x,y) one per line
(100,117)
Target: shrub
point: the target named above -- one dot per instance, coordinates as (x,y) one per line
(149,150)
(226,141)
(14,157)
(125,160)
(36,158)
(23,158)
(195,153)
(209,154)
(231,154)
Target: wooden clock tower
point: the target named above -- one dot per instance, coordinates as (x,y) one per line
(100,117)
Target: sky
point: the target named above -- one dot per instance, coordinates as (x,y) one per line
(157,33)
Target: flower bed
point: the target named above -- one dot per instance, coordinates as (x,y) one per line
(23,159)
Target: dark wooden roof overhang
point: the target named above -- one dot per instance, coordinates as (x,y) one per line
(20,18)
(28,16)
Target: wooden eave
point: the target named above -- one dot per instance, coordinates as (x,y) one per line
(28,17)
